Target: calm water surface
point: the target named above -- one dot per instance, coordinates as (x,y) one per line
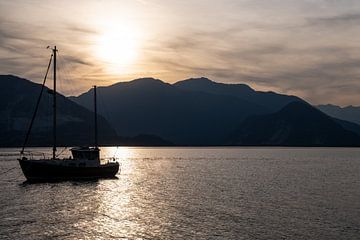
(192,193)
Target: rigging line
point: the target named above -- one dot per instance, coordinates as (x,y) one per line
(61,80)
(37,106)
(62,74)
(104,107)
(66,82)
(66,75)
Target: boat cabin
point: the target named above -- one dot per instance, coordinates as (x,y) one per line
(86,153)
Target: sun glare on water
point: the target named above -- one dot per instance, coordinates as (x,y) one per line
(118,47)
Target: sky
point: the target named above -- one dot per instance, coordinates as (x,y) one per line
(308,48)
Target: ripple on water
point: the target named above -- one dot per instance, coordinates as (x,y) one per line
(192,193)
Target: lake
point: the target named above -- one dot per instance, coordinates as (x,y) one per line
(192,193)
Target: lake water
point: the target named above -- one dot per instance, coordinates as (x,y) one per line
(192,193)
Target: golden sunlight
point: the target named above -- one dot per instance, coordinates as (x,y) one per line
(118,46)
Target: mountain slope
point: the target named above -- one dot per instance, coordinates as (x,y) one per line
(350,126)
(349,113)
(18,98)
(297,124)
(269,100)
(150,106)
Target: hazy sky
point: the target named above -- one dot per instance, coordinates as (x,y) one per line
(310,48)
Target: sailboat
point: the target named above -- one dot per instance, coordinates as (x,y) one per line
(85,162)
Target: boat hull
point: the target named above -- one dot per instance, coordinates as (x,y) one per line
(42,171)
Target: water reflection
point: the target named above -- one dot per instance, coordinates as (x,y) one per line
(128,208)
(121,153)
(193,193)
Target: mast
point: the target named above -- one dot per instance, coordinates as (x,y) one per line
(54,105)
(95,118)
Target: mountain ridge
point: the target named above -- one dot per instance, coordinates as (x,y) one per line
(190,94)
(297,124)
(173,113)
(349,113)
(193,112)
(270,100)
(75,123)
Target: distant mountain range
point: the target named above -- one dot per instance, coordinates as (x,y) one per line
(270,101)
(350,113)
(297,124)
(190,112)
(198,111)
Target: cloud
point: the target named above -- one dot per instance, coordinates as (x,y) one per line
(80,29)
(298,63)
(349,19)
(307,48)
(23,49)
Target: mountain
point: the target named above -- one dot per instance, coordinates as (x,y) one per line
(146,111)
(297,124)
(200,111)
(350,126)
(18,98)
(349,113)
(150,106)
(269,100)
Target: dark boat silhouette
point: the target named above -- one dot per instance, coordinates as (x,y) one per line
(89,166)
(85,162)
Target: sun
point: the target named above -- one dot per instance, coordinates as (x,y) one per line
(117,47)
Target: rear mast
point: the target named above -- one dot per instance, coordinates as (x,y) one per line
(95,119)
(54,105)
